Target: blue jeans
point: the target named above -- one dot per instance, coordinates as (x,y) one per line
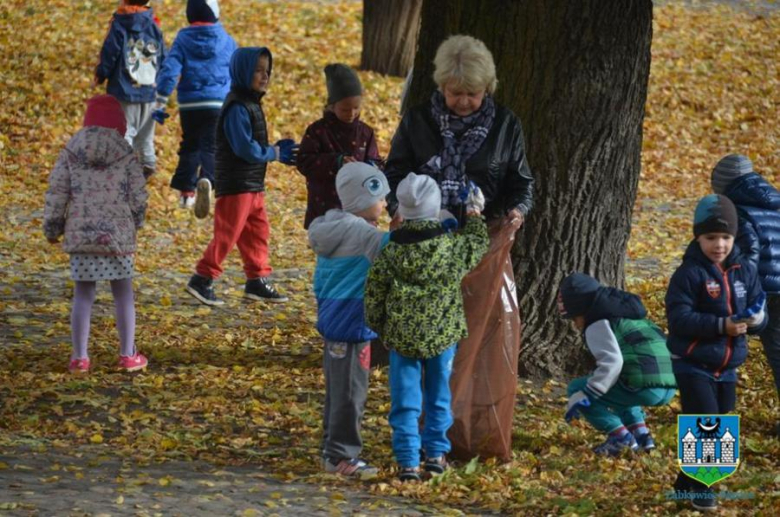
(620,406)
(198,145)
(770,338)
(417,385)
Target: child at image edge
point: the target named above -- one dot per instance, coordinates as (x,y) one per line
(346,242)
(130,59)
(758,208)
(97,200)
(243,154)
(414,302)
(338,138)
(633,367)
(714,299)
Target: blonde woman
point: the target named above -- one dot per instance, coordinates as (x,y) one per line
(461,135)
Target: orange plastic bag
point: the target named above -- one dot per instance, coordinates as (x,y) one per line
(484,376)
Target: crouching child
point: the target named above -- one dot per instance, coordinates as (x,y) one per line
(633,365)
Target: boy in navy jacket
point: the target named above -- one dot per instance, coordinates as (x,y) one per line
(199,61)
(714,299)
(758,205)
(132,53)
(242,156)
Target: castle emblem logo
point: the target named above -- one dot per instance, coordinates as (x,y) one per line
(708,446)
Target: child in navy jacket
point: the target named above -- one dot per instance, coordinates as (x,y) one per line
(199,61)
(758,207)
(714,299)
(132,53)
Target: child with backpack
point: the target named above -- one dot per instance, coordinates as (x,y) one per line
(130,58)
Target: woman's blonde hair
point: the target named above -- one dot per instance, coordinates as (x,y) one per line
(467,61)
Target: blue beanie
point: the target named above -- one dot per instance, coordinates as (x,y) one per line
(715,214)
(577,293)
(205,11)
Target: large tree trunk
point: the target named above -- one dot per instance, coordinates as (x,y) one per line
(390,35)
(576,73)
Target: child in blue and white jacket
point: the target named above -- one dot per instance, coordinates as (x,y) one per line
(346,242)
(132,54)
(199,61)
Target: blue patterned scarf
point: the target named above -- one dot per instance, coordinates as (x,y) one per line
(463,136)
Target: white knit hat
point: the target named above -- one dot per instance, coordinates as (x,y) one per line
(360,185)
(419,198)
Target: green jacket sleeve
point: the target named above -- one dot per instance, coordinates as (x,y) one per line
(472,244)
(377,289)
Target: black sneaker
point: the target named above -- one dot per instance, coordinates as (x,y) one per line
(262,289)
(200,287)
(704,500)
(436,465)
(202,198)
(148,172)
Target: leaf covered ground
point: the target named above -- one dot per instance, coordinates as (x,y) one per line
(242,385)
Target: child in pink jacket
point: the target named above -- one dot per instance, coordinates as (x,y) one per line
(97,200)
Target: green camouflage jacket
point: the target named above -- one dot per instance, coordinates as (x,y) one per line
(413,297)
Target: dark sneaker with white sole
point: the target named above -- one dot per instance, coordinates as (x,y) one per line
(201,288)
(262,289)
(202,198)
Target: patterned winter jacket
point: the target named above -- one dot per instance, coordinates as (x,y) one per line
(413,294)
(97,194)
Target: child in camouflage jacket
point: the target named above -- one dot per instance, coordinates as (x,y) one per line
(413,300)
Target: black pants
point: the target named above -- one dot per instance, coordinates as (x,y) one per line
(198,142)
(702,395)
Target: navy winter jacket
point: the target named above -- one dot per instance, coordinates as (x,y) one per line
(759,226)
(700,297)
(131,56)
(200,54)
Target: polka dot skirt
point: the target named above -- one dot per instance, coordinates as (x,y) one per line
(91,268)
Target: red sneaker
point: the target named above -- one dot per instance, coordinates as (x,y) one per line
(133,363)
(79,366)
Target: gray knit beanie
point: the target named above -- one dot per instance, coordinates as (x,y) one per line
(728,169)
(342,82)
(419,198)
(360,185)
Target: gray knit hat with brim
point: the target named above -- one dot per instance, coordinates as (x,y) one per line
(342,82)
(728,169)
(359,186)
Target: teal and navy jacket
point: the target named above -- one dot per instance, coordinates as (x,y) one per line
(345,245)
(628,348)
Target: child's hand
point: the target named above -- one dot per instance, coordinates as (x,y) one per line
(288,151)
(577,401)
(348,159)
(735,329)
(396,222)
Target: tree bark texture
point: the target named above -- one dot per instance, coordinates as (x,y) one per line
(390,30)
(576,74)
